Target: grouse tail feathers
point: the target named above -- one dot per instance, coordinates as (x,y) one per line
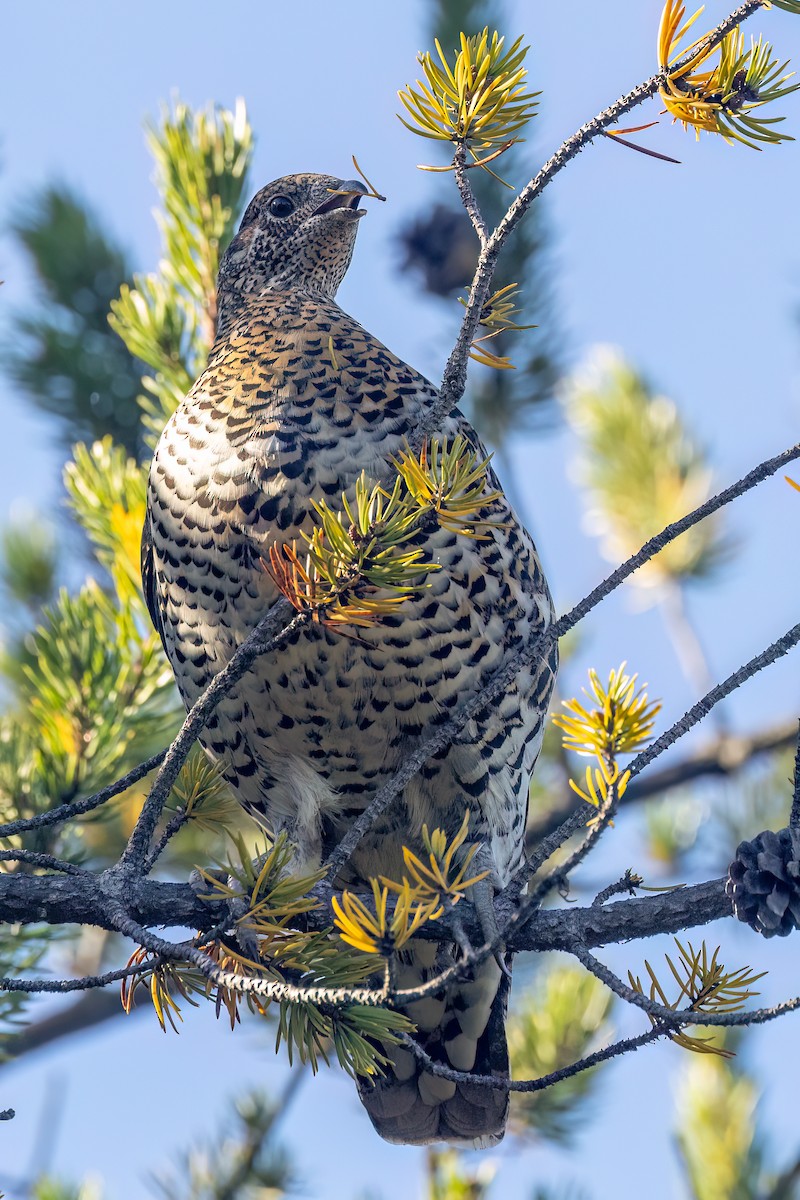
(464,1029)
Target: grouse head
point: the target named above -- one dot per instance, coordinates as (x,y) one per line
(298,233)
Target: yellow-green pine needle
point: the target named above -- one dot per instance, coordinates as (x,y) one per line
(480,102)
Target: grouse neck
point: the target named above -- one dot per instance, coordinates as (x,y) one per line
(236,310)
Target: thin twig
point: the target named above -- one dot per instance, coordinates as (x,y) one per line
(455,372)
(256,1138)
(696,713)
(173,826)
(45,861)
(290,1092)
(442,736)
(561,873)
(794,817)
(672,1016)
(65,812)
(624,886)
(468,198)
(84,984)
(499,1083)
(272,632)
(547,848)
(621,141)
(723,756)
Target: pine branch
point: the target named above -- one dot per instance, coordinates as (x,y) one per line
(677,1017)
(503,1084)
(91,900)
(455,373)
(78,808)
(723,757)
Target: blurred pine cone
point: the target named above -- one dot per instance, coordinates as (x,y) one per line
(441,246)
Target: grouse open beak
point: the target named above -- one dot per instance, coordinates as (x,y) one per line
(346,196)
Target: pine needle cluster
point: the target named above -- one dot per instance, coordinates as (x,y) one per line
(721,96)
(433,884)
(360,562)
(621,722)
(479,102)
(498,315)
(704,987)
(272,899)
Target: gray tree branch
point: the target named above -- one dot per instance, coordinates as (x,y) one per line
(678,1017)
(504,1084)
(89,900)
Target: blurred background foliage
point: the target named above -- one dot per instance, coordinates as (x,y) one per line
(108,353)
(63,354)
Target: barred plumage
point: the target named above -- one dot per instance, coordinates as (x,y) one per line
(297,399)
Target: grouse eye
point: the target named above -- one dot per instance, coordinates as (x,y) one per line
(281,206)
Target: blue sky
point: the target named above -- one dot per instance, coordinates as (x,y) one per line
(692,270)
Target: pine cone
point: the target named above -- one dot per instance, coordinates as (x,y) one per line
(764,882)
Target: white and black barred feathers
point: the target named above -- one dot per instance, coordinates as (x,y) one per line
(296,401)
